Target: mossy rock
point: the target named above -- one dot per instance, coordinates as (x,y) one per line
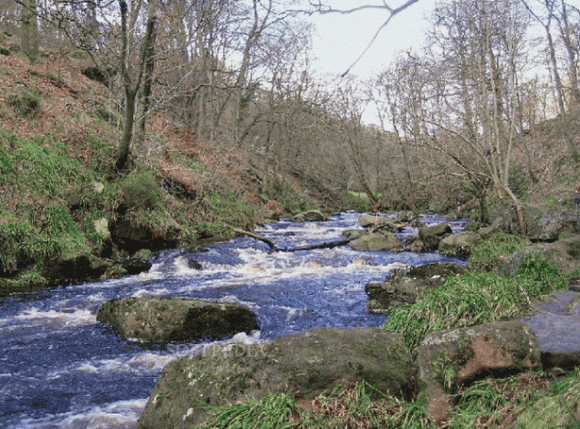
(304,365)
(447,359)
(460,245)
(431,235)
(163,320)
(376,221)
(377,242)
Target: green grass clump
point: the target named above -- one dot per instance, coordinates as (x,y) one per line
(35,224)
(231,208)
(141,191)
(496,402)
(476,298)
(491,253)
(273,411)
(525,400)
(359,406)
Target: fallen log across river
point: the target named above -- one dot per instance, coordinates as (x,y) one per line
(274,248)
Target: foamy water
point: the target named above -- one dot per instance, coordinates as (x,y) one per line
(60,368)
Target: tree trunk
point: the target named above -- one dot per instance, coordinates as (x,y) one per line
(149,52)
(131,89)
(125,146)
(29,32)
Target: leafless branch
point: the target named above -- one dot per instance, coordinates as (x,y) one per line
(319,7)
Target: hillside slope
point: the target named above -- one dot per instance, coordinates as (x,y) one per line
(67,216)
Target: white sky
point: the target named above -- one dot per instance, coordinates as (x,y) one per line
(340,39)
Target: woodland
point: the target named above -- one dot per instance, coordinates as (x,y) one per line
(131,126)
(205,112)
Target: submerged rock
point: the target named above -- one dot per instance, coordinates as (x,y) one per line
(304,364)
(163,320)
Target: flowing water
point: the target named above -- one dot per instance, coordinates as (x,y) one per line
(60,368)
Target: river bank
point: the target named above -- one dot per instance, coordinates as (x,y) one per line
(67,219)
(485,346)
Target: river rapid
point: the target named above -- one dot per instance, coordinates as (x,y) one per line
(60,368)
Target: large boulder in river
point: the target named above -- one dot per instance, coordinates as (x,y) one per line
(407,286)
(377,242)
(378,221)
(304,365)
(163,320)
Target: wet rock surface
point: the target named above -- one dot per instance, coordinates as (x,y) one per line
(163,320)
(556,324)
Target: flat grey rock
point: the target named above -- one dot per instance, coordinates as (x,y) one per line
(556,325)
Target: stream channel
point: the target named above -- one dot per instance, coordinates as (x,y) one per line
(60,368)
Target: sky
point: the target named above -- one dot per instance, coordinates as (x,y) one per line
(340,39)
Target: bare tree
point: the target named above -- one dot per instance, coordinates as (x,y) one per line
(569,25)
(546,23)
(462,98)
(132,79)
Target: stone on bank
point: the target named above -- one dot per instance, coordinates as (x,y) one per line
(163,320)
(448,358)
(304,364)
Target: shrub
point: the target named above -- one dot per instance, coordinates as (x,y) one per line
(27,104)
(140,191)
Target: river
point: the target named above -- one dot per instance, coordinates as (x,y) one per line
(60,368)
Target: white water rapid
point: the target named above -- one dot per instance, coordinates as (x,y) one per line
(60,368)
